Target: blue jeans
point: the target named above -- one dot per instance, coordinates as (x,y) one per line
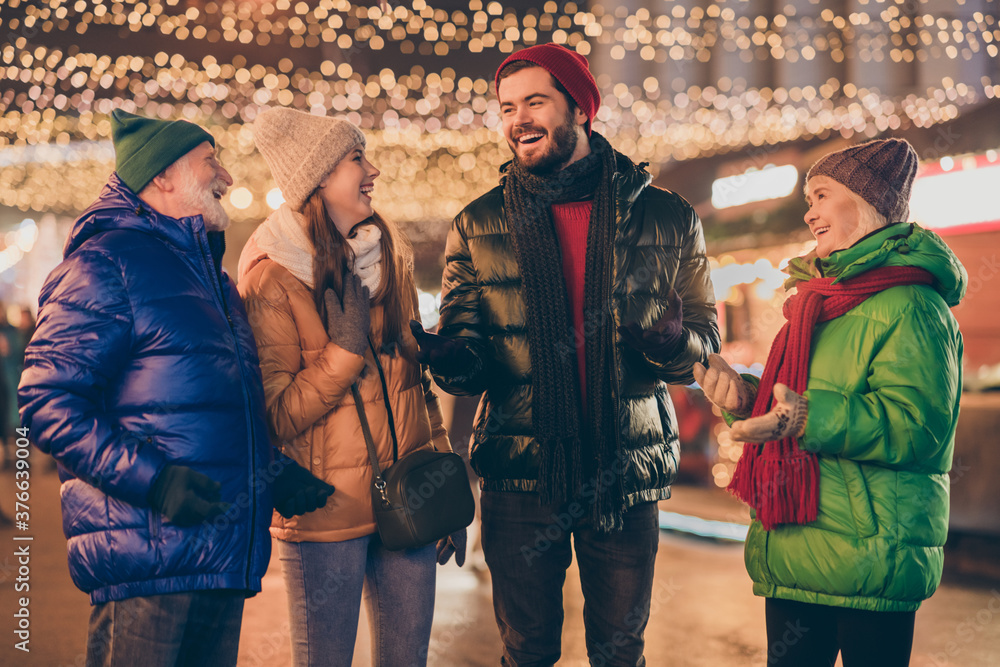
(199,628)
(325,581)
(527,548)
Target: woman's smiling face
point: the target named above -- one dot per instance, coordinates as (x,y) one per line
(347,191)
(833,217)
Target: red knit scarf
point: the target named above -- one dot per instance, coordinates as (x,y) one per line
(778,479)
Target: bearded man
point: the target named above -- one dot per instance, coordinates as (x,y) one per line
(142,381)
(572,294)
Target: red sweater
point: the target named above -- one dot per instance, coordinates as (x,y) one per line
(572,222)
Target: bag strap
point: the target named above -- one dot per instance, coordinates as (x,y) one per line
(369,442)
(385,397)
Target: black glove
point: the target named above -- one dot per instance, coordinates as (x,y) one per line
(348,319)
(661,339)
(453,544)
(296,491)
(185,496)
(446,356)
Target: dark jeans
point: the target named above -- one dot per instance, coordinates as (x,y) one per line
(810,635)
(527,548)
(200,628)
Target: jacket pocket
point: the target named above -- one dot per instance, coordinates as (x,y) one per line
(859,499)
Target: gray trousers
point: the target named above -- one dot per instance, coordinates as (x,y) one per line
(199,628)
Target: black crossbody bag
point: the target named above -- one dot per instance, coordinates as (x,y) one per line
(421,497)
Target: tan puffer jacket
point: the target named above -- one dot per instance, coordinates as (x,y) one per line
(310,409)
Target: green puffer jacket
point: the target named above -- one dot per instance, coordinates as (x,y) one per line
(884,386)
(658,244)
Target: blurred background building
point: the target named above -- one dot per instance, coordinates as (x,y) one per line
(728,101)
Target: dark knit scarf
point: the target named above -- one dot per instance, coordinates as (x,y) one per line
(572,456)
(778,479)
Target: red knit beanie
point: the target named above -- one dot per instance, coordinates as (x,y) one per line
(569,68)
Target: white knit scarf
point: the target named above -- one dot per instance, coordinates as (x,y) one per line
(367,247)
(283,238)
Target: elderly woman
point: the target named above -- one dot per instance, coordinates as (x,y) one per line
(851,430)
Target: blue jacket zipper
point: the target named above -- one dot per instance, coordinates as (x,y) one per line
(215,277)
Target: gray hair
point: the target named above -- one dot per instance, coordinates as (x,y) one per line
(869,219)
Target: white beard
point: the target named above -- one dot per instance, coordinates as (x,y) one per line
(201,200)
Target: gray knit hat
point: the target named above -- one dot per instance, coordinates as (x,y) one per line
(302,149)
(881,172)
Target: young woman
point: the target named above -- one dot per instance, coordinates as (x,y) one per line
(851,431)
(328,287)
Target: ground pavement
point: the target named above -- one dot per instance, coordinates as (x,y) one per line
(703,612)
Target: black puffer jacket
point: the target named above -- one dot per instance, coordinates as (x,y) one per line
(658,244)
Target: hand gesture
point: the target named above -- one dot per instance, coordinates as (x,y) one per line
(297,491)
(724,387)
(787,419)
(453,544)
(446,356)
(185,496)
(663,337)
(348,319)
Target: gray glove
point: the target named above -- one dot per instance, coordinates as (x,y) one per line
(348,319)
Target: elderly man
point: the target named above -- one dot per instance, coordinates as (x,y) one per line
(142,381)
(573,292)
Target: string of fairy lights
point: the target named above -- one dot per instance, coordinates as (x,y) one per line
(434,134)
(494,26)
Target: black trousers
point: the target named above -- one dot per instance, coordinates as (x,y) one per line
(811,635)
(528,548)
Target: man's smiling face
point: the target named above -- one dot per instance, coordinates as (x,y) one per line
(538,123)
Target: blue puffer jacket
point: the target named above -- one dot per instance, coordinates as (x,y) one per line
(143,357)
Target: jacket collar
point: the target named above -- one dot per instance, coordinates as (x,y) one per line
(899,244)
(117,207)
(630,179)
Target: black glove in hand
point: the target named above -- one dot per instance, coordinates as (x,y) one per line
(446,356)
(296,491)
(348,319)
(453,544)
(663,337)
(185,496)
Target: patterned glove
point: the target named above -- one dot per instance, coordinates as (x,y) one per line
(724,387)
(185,496)
(661,339)
(446,356)
(787,419)
(453,544)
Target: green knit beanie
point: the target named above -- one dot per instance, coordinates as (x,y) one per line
(144,147)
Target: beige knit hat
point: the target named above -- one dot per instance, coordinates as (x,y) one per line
(881,172)
(302,149)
